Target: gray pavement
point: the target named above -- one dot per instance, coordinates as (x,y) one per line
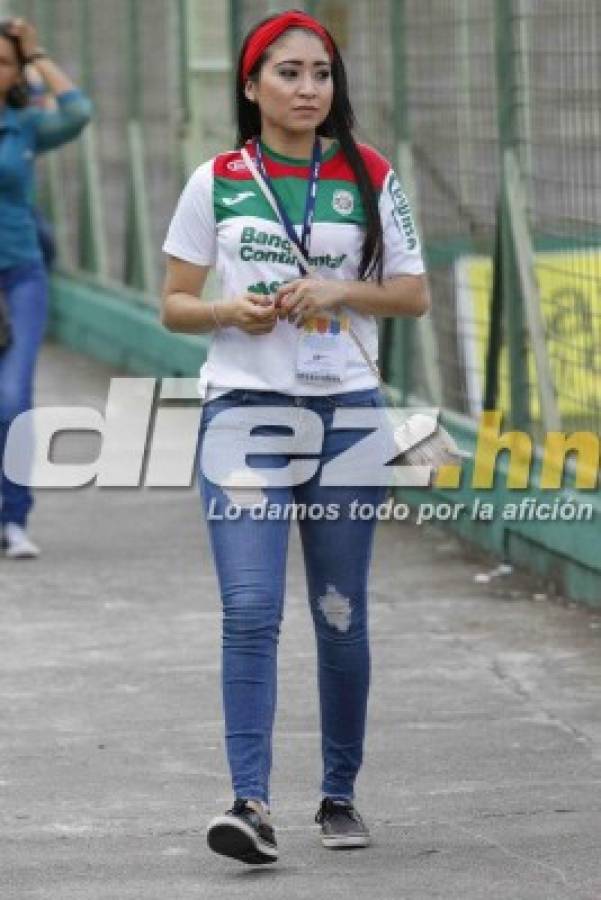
(482,776)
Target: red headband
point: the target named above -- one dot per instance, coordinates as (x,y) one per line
(271,31)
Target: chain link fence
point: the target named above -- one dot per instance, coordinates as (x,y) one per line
(559,103)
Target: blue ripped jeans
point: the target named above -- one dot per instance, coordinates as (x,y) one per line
(25,290)
(250,560)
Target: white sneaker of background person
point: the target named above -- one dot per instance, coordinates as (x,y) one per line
(17,544)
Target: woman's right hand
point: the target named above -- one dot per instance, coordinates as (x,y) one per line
(253,313)
(26,34)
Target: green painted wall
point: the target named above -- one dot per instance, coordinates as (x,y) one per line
(568,553)
(117,325)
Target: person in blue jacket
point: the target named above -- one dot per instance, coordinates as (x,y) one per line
(25,132)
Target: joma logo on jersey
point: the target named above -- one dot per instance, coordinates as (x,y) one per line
(233,201)
(401,212)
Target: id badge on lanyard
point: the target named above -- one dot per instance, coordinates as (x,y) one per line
(323,340)
(323,350)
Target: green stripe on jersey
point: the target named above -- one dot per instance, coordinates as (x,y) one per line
(337,201)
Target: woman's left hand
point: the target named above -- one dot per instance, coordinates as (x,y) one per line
(302,298)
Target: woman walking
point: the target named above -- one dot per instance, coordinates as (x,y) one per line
(25,131)
(281,338)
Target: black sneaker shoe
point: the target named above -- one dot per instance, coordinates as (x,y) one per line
(341,825)
(243,834)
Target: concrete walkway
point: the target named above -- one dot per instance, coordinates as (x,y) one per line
(482,776)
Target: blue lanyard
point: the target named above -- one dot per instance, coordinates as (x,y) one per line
(310,202)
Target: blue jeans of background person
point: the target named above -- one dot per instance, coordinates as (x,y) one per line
(26,291)
(46,239)
(250,559)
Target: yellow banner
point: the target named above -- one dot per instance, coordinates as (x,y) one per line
(569,283)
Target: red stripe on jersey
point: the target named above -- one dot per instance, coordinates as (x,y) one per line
(231,165)
(377,165)
(339,168)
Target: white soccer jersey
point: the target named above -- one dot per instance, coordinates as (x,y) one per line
(223,220)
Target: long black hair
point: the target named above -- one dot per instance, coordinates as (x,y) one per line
(339,124)
(18,95)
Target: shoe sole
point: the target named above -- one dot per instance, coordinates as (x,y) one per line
(342,843)
(239,841)
(23,554)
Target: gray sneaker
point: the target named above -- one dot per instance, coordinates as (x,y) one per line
(341,825)
(17,544)
(243,833)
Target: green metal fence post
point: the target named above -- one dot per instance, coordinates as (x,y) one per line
(525,39)
(514,320)
(51,195)
(235,44)
(465,118)
(93,252)
(184,124)
(208,70)
(396,338)
(139,271)
(495,325)
(402,335)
